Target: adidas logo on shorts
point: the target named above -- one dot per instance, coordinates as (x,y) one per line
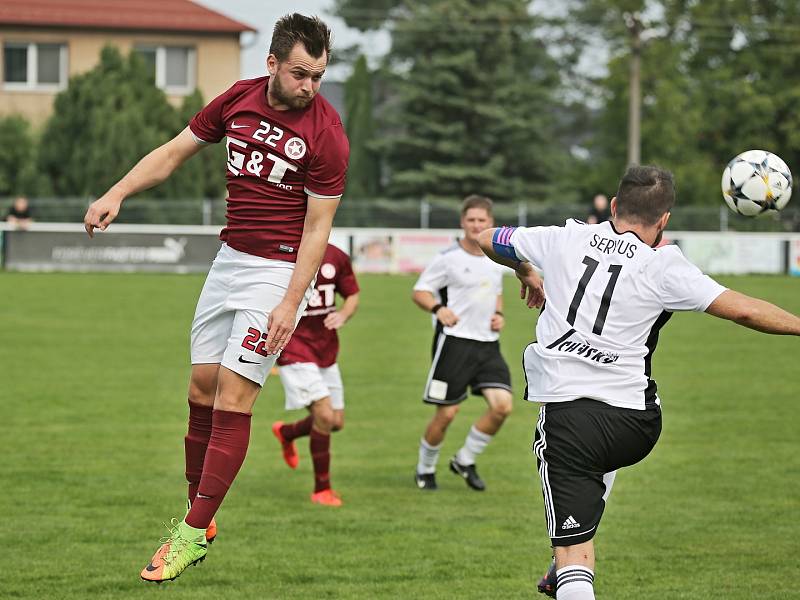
(570,523)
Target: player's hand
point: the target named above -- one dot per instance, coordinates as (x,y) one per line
(446,317)
(102,212)
(280,327)
(497,322)
(532,286)
(334,320)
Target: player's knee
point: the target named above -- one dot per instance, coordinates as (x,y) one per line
(502,409)
(324,417)
(446,415)
(202,392)
(338,422)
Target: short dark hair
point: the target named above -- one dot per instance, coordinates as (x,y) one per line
(476,201)
(645,193)
(312,32)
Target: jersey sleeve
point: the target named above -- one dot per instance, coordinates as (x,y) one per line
(434,277)
(533,244)
(346,282)
(207,126)
(683,286)
(328,166)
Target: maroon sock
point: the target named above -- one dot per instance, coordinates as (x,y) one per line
(291,431)
(320,445)
(224,456)
(195,444)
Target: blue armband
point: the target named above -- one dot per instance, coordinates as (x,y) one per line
(501,243)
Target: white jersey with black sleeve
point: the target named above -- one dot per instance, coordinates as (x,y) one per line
(607,296)
(468,284)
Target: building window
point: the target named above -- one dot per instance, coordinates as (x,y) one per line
(172,67)
(29,66)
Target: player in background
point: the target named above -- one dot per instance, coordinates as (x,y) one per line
(464,291)
(310,374)
(609,293)
(287,159)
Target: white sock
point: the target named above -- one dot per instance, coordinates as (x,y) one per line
(428,457)
(575,582)
(474,444)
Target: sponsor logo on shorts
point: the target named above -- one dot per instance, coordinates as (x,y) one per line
(570,523)
(249,362)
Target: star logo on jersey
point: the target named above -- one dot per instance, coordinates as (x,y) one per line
(328,271)
(295,148)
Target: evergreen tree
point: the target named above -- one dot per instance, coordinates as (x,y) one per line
(16,155)
(470,101)
(362,174)
(106,121)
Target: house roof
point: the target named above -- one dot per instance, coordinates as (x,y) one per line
(154,15)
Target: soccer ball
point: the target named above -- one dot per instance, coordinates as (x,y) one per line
(756,182)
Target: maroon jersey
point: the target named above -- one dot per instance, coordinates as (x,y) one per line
(275,159)
(312,341)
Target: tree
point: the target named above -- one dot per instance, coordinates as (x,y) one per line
(718,77)
(104,122)
(362,174)
(470,101)
(17,151)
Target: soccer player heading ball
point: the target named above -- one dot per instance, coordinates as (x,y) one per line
(310,374)
(464,291)
(287,159)
(609,292)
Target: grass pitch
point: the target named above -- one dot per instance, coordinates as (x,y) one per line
(94,372)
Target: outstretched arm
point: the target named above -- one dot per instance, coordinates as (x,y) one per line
(532,285)
(754,313)
(148,172)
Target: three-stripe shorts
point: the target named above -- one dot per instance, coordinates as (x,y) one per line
(578,444)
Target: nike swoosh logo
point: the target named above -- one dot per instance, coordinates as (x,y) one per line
(249,362)
(235,126)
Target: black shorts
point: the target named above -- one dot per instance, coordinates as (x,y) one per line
(577,443)
(458,363)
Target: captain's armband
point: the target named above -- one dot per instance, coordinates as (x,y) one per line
(501,243)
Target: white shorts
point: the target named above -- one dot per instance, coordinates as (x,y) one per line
(230,322)
(305,383)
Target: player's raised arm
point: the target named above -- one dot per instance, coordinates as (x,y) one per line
(316,231)
(754,313)
(153,169)
(495,243)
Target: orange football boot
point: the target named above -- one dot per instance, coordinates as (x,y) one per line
(211,532)
(290,455)
(326,498)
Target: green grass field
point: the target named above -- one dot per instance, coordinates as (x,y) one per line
(94,372)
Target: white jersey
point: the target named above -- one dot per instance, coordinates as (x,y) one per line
(469,285)
(607,296)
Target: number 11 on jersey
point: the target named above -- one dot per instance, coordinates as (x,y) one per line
(591,267)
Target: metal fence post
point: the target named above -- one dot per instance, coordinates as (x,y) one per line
(207,206)
(723,218)
(424,214)
(522,214)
